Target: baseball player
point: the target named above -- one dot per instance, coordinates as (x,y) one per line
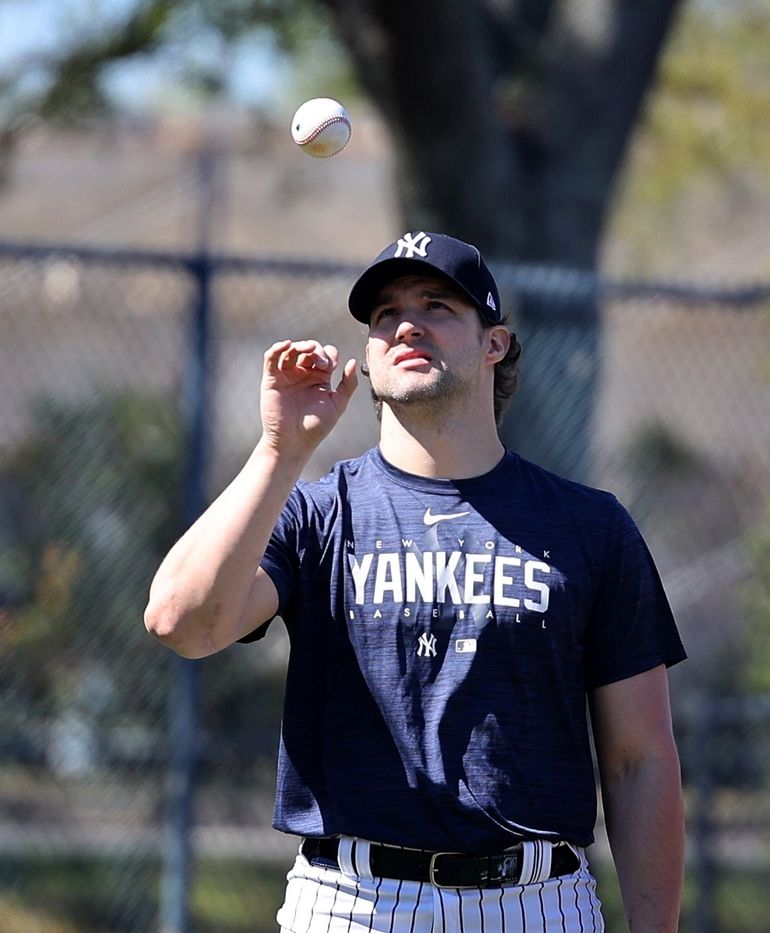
(453,612)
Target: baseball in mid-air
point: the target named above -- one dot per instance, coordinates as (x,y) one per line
(321,127)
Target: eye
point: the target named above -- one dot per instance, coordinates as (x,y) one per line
(436,304)
(382,313)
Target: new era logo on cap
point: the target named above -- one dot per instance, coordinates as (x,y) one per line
(434,253)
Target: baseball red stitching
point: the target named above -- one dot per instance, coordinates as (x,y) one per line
(321,127)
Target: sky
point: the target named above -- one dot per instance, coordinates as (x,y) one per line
(31,30)
(31,27)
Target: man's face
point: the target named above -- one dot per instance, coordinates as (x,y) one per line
(426,343)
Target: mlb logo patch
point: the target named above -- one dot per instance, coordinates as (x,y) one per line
(465,646)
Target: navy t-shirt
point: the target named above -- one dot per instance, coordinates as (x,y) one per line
(444,634)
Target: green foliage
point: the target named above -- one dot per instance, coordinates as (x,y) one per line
(96,491)
(710,109)
(81,893)
(231,896)
(656,450)
(89,894)
(706,119)
(292,21)
(74,91)
(664,470)
(93,503)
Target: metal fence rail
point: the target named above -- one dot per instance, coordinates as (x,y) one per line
(129,386)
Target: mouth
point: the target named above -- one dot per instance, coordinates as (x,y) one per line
(412,358)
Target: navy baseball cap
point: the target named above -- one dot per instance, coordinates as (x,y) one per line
(436,254)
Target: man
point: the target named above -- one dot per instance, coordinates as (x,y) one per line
(452,610)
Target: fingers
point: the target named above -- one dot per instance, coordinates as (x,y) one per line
(302,357)
(273,355)
(332,354)
(348,382)
(286,355)
(304,354)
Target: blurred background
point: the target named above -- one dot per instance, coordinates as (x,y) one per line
(159,229)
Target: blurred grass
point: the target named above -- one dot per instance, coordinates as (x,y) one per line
(233,896)
(740,901)
(83,894)
(20,917)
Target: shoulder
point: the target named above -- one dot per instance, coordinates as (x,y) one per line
(322,492)
(550,488)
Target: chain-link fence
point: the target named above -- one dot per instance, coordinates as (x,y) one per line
(135,788)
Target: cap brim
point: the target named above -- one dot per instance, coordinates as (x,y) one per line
(364,292)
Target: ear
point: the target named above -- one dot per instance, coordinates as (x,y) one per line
(498,340)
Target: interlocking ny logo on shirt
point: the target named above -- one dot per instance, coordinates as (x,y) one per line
(430,519)
(426,646)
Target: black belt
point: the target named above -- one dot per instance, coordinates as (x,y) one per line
(444,869)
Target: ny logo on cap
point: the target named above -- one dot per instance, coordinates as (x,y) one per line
(412,245)
(491,301)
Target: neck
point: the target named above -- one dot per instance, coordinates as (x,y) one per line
(452,448)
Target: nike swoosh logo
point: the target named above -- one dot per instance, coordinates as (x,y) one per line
(431,519)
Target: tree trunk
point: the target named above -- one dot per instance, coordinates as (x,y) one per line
(510,121)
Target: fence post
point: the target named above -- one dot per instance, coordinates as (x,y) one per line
(183,693)
(564,326)
(701,750)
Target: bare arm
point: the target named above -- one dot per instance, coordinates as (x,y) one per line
(209,590)
(642,794)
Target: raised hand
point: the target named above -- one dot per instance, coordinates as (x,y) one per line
(298,404)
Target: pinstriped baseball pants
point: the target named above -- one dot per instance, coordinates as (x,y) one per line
(322,900)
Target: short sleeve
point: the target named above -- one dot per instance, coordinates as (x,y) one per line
(632,628)
(281,558)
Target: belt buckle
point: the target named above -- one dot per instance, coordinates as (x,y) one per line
(434,869)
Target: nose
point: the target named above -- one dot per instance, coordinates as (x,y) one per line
(408,328)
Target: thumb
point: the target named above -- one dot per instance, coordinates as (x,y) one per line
(348,383)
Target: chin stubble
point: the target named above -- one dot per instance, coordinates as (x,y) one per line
(432,396)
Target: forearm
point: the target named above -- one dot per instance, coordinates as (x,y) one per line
(645,825)
(198,595)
